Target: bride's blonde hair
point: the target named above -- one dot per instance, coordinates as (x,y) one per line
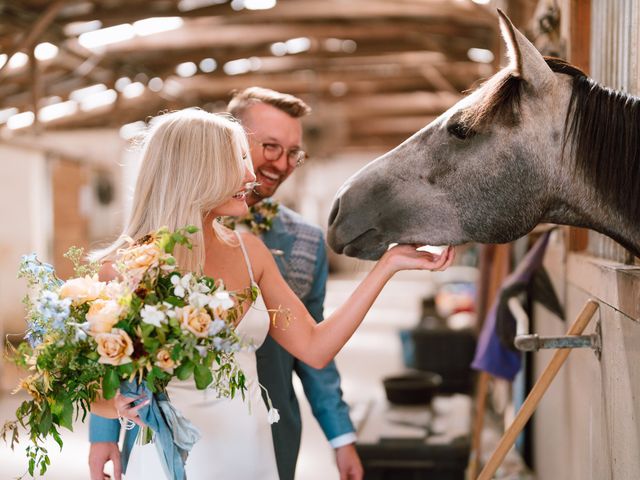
(192,161)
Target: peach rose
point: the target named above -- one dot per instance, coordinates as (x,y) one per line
(103,315)
(195,320)
(115,347)
(83,289)
(139,259)
(164,361)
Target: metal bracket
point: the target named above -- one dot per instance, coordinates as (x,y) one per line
(526,342)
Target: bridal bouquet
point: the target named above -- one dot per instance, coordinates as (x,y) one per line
(86,337)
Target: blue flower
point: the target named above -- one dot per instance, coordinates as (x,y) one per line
(34,334)
(38,272)
(54,311)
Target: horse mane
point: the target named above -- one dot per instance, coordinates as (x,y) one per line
(601,128)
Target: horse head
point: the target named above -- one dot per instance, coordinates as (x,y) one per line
(497,163)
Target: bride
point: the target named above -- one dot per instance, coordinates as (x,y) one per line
(195,168)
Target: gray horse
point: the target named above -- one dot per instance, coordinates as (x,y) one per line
(538,142)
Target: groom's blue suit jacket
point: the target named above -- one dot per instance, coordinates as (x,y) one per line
(303,264)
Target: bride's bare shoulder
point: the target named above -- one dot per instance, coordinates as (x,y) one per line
(254,245)
(260,256)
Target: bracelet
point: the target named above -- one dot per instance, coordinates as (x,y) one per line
(126,423)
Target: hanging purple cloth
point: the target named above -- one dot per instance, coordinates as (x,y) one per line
(495,352)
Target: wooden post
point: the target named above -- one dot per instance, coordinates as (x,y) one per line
(536,394)
(36,88)
(478,424)
(579,55)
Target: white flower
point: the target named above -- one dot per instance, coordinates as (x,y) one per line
(153,316)
(202,350)
(216,326)
(221,301)
(181,284)
(200,288)
(273,416)
(169,310)
(81,331)
(199,300)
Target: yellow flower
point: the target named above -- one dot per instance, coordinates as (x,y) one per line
(82,289)
(164,361)
(103,315)
(114,348)
(194,320)
(29,384)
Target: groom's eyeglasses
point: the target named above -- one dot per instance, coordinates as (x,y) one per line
(273,152)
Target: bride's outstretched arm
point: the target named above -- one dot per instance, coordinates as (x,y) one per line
(317,343)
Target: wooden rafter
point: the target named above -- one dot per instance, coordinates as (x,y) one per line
(36,31)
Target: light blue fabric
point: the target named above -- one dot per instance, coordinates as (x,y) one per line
(103,429)
(173,434)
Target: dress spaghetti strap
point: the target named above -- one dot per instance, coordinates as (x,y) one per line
(246,258)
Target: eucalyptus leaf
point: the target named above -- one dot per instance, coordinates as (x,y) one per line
(203,376)
(185,370)
(110,384)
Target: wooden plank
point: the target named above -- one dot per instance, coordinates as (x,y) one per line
(614,283)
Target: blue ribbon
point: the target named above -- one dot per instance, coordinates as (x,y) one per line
(174,435)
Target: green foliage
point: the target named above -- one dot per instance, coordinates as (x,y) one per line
(68,367)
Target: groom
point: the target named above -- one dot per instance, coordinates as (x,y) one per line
(272,121)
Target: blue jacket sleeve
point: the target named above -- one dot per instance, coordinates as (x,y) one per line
(322,386)
(103,429)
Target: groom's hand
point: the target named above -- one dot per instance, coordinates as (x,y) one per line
(99,454)
(349,464)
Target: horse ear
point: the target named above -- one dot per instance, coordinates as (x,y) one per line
(525,60)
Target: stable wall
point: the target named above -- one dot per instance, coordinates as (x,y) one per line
(588,424)
(27,165)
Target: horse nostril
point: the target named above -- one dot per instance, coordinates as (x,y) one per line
(334,211)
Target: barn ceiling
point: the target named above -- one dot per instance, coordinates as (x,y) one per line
(374,71)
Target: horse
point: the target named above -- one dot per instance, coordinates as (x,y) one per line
(537,142)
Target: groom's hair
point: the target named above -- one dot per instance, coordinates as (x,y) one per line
(289,104)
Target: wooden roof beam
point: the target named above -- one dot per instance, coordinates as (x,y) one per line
(207,34)
(437,11)
(36,31)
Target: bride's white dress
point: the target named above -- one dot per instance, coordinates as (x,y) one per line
(236,441)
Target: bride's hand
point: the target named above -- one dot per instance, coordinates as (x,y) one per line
(406,257)
(126,407)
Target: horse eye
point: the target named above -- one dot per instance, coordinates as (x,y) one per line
(460,130)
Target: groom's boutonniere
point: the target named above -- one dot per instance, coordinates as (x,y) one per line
(259,219)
